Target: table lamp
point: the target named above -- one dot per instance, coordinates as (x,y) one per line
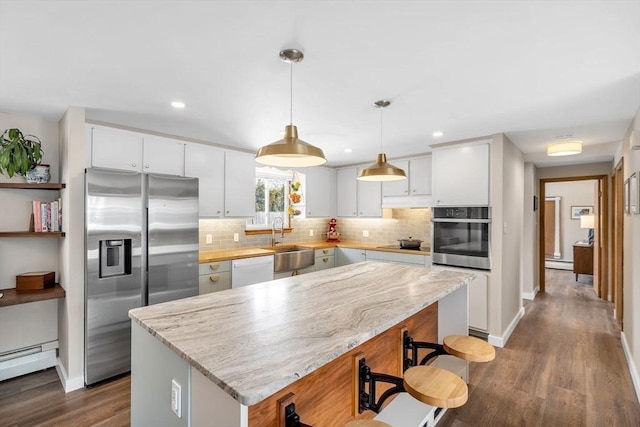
(588,221)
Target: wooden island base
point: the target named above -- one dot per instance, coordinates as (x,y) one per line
(327,396)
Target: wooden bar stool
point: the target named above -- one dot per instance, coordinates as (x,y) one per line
(471,349)
(468,348)
(428,384)
(366,423)
(435,386)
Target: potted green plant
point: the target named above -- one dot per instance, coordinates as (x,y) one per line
(20,154)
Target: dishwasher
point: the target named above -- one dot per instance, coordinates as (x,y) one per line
(248,271)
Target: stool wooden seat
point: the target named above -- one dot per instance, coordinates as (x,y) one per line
(435,386)
(468,348)
(366,423)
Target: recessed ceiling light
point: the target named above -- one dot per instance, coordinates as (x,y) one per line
(438,133)
(348,150)
(564,137)
(178,104)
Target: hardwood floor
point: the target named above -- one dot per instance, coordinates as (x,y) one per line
(563,366)
(38,399)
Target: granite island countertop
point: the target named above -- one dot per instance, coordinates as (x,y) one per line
(255,340)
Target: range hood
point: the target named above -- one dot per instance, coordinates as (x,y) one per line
(398,202)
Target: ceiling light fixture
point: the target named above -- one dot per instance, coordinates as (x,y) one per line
(564,148)
(381,170)
(438,133)
(348,150)
(178,104)
(290,151)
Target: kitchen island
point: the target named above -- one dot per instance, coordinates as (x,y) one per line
(235,353)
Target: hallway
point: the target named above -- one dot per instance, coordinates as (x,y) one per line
(563,366)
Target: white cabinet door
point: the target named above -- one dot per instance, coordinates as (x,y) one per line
(116,149)
(239,184)
(346,192)
(461,175)
(206,163)
(320,194)
(478,300)
(163,155)
(420,176)
(349,256)
(397,188)
(369,199)
(409,259)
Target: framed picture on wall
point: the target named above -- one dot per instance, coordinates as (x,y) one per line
(627,195)
(577,211)
(634,202)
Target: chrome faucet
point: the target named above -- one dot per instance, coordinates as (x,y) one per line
(273,230)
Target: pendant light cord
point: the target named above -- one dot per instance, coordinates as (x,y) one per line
(381,109)
(291,95)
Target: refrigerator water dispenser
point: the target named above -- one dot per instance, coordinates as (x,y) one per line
(115,258)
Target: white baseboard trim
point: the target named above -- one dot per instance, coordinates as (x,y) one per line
(69,384)
(531,295)
(502,341)
(632,367)
(27,364)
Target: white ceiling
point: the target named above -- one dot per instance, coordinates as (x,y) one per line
(531,69)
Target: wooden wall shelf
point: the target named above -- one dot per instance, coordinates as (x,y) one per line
(31,234)
(27,186)
(12,297)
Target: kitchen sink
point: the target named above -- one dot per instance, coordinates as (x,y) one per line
(289,259)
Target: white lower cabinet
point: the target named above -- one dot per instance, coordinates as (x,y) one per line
(478,302)
(325,258)
(214,276)
(347,256)
(410,259)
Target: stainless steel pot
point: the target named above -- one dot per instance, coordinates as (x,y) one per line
(409,243)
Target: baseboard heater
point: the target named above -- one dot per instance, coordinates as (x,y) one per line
(28,359)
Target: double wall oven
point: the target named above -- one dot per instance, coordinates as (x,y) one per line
(461,236)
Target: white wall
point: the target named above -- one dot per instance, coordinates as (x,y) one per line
(631,273)
(571,193)
(530,283)
(71,308)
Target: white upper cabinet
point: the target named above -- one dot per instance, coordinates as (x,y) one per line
(418,182)
(163,155)
(346,193)
(126,150)
(206,163)
(461,175)
(357,198)
(320,195)
(420,176)
(397,188)
(239,184)
(369,199)
(116,149)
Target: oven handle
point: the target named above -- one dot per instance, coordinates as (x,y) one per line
(471,221)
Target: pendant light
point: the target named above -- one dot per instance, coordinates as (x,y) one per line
(381,170)
(290,151)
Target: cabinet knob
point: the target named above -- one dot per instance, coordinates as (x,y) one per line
(325,251)
(214,266)
(227,211)
(360,213)
(406,191)
(214,278)
(308,213)
(414,190)
(217,211)
(133,165)
(325,259)
(146,166)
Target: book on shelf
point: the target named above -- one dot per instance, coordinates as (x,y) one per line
(47,216)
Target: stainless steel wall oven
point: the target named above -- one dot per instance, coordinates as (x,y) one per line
(461,236)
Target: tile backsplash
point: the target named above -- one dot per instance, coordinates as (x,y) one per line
(397,224)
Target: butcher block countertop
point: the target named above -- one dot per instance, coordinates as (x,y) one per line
(253,341)
(228,254)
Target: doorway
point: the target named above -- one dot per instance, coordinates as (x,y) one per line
(601,242)
(617,255)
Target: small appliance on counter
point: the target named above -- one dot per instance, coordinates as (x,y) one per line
(332,234)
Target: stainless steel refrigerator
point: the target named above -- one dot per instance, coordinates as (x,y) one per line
(141,240)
